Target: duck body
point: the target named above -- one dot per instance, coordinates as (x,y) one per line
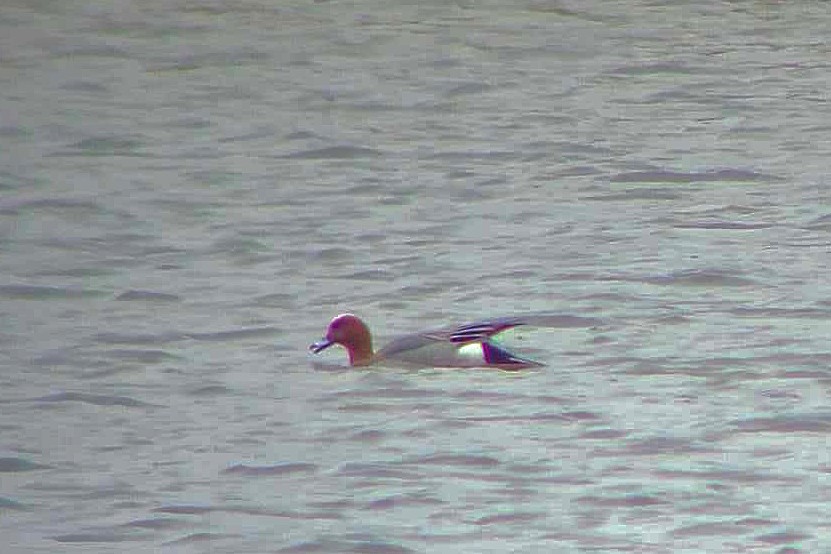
(466,345)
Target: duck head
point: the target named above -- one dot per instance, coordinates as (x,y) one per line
(350,332)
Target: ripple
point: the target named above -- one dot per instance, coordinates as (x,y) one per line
(809,423)
(198,538)
(510,518)
(633,500)
(222,336)
(36,292)
(63,206)
(335,153)
(89,537)
(94,399)
(139,339)
(639,193)
(701,278)
(14,465)
(462,460)
(115,534)
(728,476)
(156,523)
(142,356)
(722,175)
(370,275)
(723,225)
(785,313)
(287,468)
(821,223)
(376,470)
(103,146)
(210,390)
(147,296)
(715,528)
(183,509)
(346,545)
(397,501)
(783,537)
(9,504)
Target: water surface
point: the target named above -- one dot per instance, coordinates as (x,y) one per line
(188,193)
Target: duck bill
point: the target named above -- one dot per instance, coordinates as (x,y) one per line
(320,345)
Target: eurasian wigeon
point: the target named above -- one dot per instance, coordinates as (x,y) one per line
(467,345)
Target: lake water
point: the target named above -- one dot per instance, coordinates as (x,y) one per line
(190,191)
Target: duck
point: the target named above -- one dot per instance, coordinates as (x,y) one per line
(465,345)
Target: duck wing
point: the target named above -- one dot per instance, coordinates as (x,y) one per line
(478,331)
(447,339)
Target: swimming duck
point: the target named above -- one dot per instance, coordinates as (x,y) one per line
(467,345)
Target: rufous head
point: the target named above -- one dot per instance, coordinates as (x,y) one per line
(350,332)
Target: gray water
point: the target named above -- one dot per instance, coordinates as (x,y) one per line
(190,191)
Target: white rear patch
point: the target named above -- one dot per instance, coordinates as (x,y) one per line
(472,352)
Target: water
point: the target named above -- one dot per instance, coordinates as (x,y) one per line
(188,193)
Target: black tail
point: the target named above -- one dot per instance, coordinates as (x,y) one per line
(505,360)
